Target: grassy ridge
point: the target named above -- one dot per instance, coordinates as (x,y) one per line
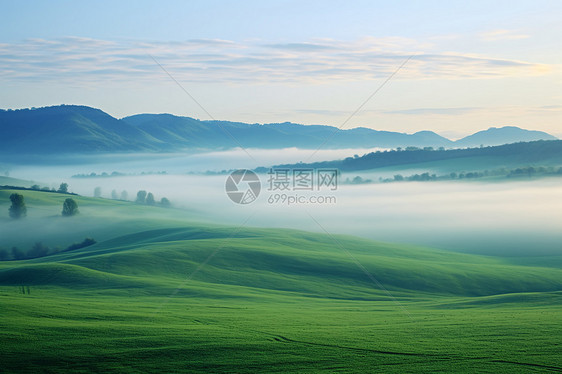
(266,300)
(541,153)
(258,259)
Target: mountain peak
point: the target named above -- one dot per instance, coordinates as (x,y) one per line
(502,135)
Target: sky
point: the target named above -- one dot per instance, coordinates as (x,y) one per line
(453,67)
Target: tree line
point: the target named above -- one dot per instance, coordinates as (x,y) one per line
(522,172)
(63,188)
(41,250)
(143,197)
(148,198)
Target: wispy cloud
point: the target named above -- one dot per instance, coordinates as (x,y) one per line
(518,110)
(302,47)
(78,60)
(325,112)
(435,111)
(498,35)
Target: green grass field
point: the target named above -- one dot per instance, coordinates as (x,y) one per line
(161,293)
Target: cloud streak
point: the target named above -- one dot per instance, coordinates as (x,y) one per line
(437,111)
(501,35)
(84,60)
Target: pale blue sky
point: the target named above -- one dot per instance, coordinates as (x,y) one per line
(476,64)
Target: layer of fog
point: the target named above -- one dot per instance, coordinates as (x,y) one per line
(491,218)
(172,163)
(509,217)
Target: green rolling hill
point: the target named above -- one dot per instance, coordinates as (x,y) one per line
(264,259)
(160,292)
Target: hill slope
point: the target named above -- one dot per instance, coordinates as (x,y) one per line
(261,259)
(540,153)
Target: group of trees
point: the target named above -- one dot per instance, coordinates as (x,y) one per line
(63,188)
(534,171)
(502,172)
(116,196)
(18,209)
(526,172)
(143,197)
(424,177)
(358,180)
(94,175)
(41,250)
(116,174)
(124,195)
(148,198)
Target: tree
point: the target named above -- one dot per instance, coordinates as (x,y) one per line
(85,243)
(124,195)
(141,197)
(97,192)
(165,202)
(63,188)
(38,250)
(18,209)
(17,254)
(35,187)
(150,199)
(69,207)
(114,195)
(4,255)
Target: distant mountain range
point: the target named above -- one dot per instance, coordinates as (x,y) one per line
(81,129)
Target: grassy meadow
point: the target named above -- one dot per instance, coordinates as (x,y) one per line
(159,292)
